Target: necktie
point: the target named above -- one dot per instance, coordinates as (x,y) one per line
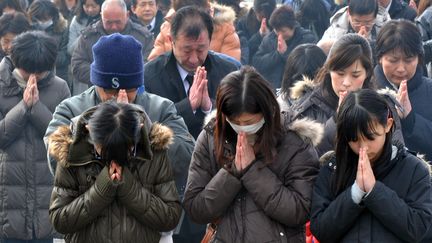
(189,78)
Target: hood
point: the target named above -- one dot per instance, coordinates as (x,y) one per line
(221,14)
(70,147)
(61,25)
(302,87)
(309,130)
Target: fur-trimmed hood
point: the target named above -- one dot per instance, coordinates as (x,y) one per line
(301,87)
(309,130)
(221,14)
(70,147)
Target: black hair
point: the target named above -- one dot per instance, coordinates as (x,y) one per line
(265,7)
(363,7)
(80,13)
(191,21)
(393,35)
(15,23)
(304,61)
(14,4)
(344,52)
(359,114)
(283,16)
(234,4)
(115,127)
(246,91)
(42,9)
(34,52)
(313,15)
(178,4)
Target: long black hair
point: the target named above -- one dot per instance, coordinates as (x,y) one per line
(115,127)
(358,115)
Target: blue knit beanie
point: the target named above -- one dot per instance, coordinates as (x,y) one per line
(117,62)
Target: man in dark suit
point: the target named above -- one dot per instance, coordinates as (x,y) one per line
(146,13)
(189,75)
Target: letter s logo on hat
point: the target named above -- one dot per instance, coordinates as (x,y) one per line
(115,83)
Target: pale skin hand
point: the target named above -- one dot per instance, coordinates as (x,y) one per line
(342,96)
(403,99)
(365,178)
(115,171)
(281,46)
(205,101)
(31,92)
(363,32)
(122,97)
(263,28)
(196,91)
(244,152)
(413,5)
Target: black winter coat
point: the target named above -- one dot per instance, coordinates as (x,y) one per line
(401,10)
(398,209)
(270,63)
(417,126)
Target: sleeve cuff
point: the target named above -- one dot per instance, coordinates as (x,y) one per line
(356,193)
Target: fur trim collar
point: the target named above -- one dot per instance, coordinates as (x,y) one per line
(68,138)
(222,14)
(301,87)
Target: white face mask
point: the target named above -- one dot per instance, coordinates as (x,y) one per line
(45,25)
(248,129)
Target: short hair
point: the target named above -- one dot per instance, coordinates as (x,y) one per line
(34,52)
(41,9)
(80,13)
(178,4)
(15,23)
(14,4)
(344,52)
(116,127)
(304,61)
(393,35)
(135,2)
(119,3)
(265,7)
(283,16)
(246,91)
(363,7)
(191,21)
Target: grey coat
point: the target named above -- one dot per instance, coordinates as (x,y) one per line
(25,182)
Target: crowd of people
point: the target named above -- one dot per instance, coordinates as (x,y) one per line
(215,121)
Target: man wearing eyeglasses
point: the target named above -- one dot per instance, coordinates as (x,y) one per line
(364,17)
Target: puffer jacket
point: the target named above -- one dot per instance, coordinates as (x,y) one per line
(398,209)
(311,101)
(268,203)
(25,182)
(82,56)
(224,39)
(87,206)
(339,24)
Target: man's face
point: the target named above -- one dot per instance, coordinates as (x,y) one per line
(362,21)
(114,19)
(6,42)
(286,32)
(39,76)
(108,94)
(145,10)
(191,52)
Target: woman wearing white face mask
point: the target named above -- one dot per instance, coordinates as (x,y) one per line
(45,16)
(251,173)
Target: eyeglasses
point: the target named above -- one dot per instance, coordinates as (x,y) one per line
(357,23)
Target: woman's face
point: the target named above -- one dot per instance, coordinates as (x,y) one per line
(91,8)
(348,79)
(398,67)
(374,146)
(245,119)
(6,42)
